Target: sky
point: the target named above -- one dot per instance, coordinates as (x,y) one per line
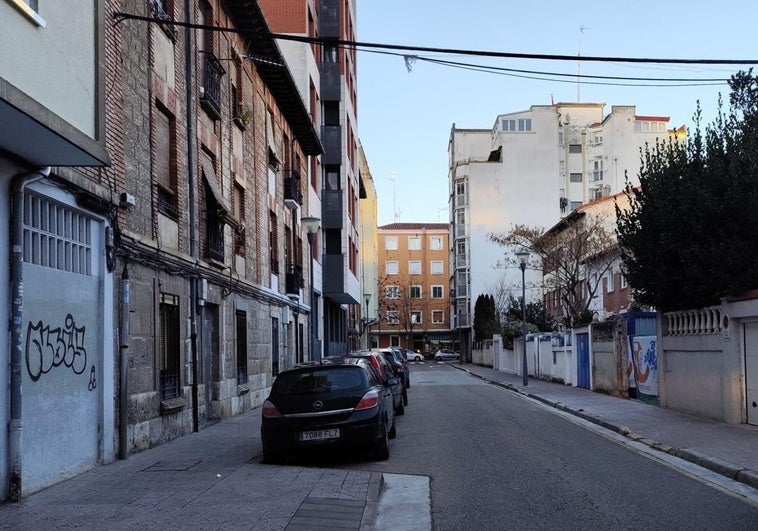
(405,117)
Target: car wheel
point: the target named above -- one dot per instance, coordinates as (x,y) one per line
(400,409)
(419,358)
(382,446)
(393,430)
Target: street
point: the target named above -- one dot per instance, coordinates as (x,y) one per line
(498,461)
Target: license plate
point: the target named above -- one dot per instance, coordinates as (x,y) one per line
(320,435)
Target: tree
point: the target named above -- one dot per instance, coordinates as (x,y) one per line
(486,321)
(566,250)
(688,237)
(401,303)
(536,314)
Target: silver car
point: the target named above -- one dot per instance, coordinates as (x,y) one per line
(446,354)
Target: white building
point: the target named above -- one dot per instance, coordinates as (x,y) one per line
(532,168)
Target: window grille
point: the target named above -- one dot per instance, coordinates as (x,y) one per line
(57,236)
(169,346)
(241,347)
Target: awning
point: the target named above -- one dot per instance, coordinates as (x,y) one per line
(210,177)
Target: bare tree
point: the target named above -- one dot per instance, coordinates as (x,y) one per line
(576,253)
(403,303)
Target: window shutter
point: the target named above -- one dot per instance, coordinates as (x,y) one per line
(162,142)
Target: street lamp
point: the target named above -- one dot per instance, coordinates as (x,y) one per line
(311,225)
(523,256)
(366,326)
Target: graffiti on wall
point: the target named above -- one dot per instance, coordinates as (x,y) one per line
(48,348)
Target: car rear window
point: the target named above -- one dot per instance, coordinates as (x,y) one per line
(320,380)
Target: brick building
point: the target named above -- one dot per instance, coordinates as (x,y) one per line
(413,292)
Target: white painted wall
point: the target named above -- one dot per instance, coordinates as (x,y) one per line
(55,64)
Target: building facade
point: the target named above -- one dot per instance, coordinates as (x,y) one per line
(532,168)
(56,274)
(413,282)
(327,78)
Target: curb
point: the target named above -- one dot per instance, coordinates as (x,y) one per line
(714,464)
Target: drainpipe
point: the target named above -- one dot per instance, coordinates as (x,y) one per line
(15,426)
(122,365)
(189,64)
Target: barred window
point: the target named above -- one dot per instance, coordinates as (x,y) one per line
(169,347)
(56,236)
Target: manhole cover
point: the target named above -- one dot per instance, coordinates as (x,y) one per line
(172,465)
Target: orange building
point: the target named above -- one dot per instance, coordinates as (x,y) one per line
(413,287)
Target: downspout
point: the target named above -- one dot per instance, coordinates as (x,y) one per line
(123,365)
(189,63)
(16,281)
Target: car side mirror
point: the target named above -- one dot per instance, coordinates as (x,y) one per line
(392,381)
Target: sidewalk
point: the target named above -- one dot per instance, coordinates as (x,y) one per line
(206,480)
(730,450)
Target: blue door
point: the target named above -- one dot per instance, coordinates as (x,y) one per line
(583,360)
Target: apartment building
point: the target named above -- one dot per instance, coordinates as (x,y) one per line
(326,75)
(56,274)
(413,299)
(532,168)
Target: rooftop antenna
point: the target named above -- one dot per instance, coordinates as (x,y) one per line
(579,62)
(393,177)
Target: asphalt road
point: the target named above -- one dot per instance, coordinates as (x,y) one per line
(497,461)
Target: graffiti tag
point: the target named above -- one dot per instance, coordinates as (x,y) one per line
(47,348)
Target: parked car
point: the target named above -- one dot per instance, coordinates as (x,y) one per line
(446,354)
(388,373)
(413,356)
(400,365)
(332,403)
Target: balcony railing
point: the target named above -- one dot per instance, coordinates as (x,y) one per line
(211,96)
(293,197)
(215,236)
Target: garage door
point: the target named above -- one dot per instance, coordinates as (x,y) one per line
(751,371)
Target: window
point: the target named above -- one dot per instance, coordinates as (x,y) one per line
(30,9)
(238,209)
(460,188)
(525,124)
(391,267)
(560,138)
(241,347)
(273,243)
(274,346)
(56,236)
(575,148)
(611,281)
(436,267)
(390,243)
(414,243)
(416,317)
(575,177)
(438,316)
(393,317)
(509,125)
(414,267)
(164,162)
(597,170)
(394,341)
(169,347)
(392,292)
(435,243)
(438,292)
(575,204)
(623,281)
(415,292)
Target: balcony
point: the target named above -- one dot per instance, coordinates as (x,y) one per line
(331,209)
(329,19)
(333,273)
(330,82)
(210,97)
(215,241)
(293,197)
(294,279)
(331,139)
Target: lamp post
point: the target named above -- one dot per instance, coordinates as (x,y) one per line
(523,256)
(311,225)
(367,327)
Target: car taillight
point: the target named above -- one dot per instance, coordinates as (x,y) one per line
(369,400)
(270,411)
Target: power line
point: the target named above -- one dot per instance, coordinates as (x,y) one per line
(252,33)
